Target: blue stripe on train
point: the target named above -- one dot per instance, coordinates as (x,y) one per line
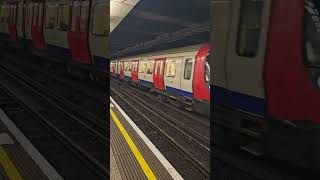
(178,92)
(127,78)
(100,63)
(57,51)
(145,83)
(222,96)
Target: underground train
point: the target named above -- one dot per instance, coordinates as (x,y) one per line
(182,73)
(75,30)
(265,87)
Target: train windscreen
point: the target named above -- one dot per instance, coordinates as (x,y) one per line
(207,70)
(312,32)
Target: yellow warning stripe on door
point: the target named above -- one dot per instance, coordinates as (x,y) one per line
(143,164)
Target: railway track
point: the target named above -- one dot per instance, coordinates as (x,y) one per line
(243,166)
(86,97)
(195,127)
(62,124)
(181,150)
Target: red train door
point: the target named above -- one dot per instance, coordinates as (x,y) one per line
(78,34)
(158,78)
(13,22)
(121,69)
(36,28)
(134,71)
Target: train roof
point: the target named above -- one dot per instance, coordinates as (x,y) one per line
(185,49)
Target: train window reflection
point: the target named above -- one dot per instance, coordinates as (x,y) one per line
(188,68)
(100,20)
(51,17)
(249,27)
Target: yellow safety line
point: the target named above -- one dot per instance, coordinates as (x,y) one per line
(143,164)
(8,166)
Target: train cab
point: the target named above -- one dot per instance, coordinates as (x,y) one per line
(265,82)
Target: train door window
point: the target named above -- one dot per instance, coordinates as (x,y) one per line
(161,68)
(249,27)
(10,14)
(157,68)
(63,17)
(51,17)
(150,67)
(136,64)
(40,15)
(30,16)
(14,20)
(100,20)
(171,69)
(84,18)
(75,16)
(188,64)
(35,14)
(7,14)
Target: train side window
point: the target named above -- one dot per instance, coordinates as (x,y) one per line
(130,66)
(84,16)
(249,27)
(126,68)
(150,67)
(100,26)
(142,67)
(51,17)
(161,68)
(188,68)
(63,17)
(171,69)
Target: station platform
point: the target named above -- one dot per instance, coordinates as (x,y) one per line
(19,159)
(132,154)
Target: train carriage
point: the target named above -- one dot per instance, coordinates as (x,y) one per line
(181,73)
(265,85)
(64,29)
